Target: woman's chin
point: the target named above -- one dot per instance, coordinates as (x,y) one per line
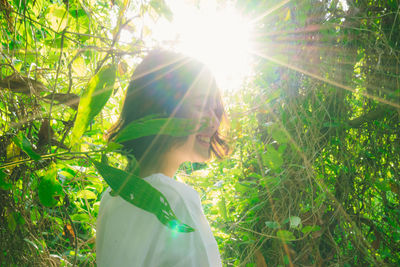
(201,157)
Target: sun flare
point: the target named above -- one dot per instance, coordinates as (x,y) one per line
(219,38)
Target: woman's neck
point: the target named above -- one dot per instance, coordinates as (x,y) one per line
(165,165)
(170,172)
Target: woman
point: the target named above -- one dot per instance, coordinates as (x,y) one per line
(173,85)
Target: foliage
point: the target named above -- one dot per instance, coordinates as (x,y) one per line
(62,67)
(313,178)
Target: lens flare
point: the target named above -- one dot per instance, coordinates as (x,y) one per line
(218,37)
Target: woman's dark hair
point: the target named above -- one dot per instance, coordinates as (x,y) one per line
(157,86)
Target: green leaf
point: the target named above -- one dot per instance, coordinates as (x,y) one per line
(241,188)
(141,194)
(79,66)
(50,188)
(36,7)
(272,158)
(77,12)
(80,217)
(176,127)
(278,134)
(96,207)
(96,95)
(86,194)
(310,228)
(285,235)
(56,42)
(3,184)
(295,221)
(57,17)
(22,141)
(272,225)
(34,215)
(112,146)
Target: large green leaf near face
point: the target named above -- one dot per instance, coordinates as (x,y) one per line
(168,126)
(141,194)
(96,95)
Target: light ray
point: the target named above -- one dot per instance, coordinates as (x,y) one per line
(318,77)
(269,11)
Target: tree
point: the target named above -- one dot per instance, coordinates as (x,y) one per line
(313,176)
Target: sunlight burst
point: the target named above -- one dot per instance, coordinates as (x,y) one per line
(219,38)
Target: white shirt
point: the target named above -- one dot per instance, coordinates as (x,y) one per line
(130,236)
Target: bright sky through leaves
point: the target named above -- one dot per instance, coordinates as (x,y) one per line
(216,35)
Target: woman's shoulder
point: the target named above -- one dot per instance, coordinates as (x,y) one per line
(179,195)
(171,188)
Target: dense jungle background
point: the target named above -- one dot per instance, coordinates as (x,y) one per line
(313,177)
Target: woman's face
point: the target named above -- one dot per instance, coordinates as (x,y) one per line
(199,104)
